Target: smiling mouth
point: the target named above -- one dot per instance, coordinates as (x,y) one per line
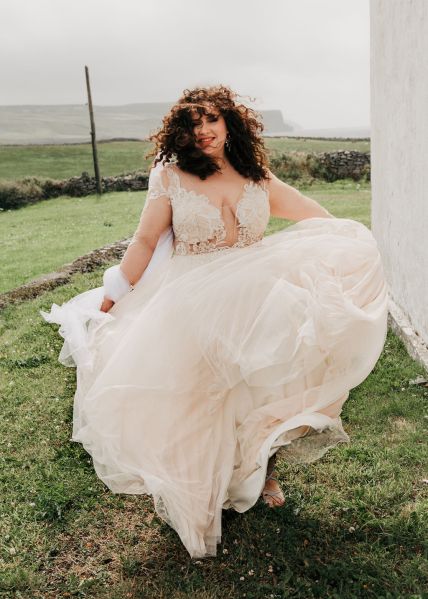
(205,140)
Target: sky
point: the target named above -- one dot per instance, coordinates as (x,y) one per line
(307,58)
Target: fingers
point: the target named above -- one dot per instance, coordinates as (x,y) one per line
(106,305)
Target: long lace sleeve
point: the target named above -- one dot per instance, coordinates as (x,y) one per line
(152,238)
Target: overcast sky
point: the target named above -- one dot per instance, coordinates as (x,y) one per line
(308,58)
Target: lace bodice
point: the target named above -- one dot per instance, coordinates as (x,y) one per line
(197,223)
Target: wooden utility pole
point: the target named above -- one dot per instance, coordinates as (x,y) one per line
(94,140)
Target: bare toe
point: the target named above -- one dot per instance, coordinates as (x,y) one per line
(272,493)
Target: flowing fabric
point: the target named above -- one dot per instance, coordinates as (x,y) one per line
(217,359)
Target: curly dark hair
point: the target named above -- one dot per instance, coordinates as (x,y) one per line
(176,138)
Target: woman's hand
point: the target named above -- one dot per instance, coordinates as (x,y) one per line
(106,305)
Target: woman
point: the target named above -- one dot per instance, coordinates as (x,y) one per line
(231,345)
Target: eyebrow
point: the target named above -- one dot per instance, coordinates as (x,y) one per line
(198,118)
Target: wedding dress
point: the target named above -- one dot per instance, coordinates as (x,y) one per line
(221,355)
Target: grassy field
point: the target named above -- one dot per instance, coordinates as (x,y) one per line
(354,524)
(288,144)
(40,238)
(61,162)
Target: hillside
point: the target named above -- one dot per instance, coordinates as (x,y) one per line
(59,124)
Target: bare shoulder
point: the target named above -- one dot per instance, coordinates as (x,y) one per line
(272,181)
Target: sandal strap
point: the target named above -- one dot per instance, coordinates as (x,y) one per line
(272,493)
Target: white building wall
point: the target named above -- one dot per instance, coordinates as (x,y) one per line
(399,150)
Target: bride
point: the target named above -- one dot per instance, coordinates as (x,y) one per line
(210,346)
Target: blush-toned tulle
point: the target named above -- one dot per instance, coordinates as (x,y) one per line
(194,379)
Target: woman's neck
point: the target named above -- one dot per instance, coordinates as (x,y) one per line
(223,163)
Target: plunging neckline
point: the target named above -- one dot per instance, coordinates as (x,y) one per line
(241,234)
(243,195)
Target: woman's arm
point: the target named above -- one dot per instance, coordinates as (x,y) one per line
(288,202)
(155,217)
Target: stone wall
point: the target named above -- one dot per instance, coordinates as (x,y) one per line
(290,166)
(17,194)
(86,185)
(346,164)
(328,166)
(86,263)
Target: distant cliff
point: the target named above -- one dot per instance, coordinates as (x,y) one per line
(69,123)
(274,123)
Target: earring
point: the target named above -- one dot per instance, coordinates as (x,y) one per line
(228,142)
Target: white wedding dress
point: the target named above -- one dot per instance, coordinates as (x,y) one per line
(222,355)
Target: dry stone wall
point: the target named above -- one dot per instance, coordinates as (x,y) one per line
(87,263)
(346,164)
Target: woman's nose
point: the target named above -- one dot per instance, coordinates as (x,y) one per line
(204,127)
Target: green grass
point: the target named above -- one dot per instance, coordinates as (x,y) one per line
(354,524)
(64,161)
(42,237)
(288,144)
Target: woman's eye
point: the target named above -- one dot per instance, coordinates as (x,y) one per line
(211,119)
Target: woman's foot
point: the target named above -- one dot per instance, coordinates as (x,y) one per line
(272,494)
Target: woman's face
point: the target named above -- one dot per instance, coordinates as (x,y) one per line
(210,131)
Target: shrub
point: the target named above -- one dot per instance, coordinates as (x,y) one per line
(16,194)
(288,166)
(20,193)
(328,166)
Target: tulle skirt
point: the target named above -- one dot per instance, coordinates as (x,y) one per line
(214,362)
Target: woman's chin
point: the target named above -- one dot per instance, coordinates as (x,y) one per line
(212,152)
(206,149)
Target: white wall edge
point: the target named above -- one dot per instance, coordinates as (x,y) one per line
(402,327)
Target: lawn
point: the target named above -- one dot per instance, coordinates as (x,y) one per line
(64,161)
(354,524)
(42,237)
